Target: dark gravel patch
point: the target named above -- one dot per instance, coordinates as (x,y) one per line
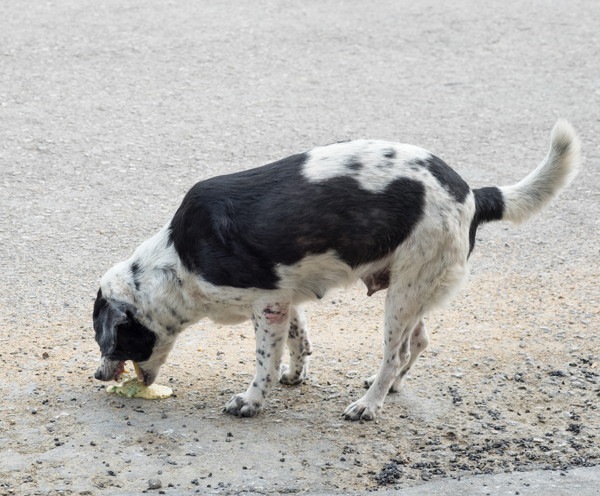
(561,436)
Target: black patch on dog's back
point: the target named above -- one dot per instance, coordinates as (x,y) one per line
(446,176)
(235,229)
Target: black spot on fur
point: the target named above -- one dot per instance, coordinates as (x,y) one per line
(235,229)
(175,314)
(354,164)
(390,153)
(489,206)
(446,176)
(293,332)
(135,272)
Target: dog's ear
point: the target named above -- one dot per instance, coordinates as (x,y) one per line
(108,315)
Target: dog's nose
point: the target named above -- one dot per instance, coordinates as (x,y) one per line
(98,375)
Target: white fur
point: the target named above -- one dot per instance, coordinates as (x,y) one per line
(326,162)
(556,171)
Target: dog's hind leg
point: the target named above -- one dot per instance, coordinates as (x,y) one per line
(300,348)
(418,342)
(419,339)
(403,314)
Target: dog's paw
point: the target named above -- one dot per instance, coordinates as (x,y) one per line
(361,410)
(291,378)
(240,406)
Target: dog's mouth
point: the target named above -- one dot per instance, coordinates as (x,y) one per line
(113,370)
(120,370)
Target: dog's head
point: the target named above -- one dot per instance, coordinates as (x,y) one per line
(122,337)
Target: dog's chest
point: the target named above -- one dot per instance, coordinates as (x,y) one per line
(227,309)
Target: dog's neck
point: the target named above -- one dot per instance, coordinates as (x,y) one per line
(153,281)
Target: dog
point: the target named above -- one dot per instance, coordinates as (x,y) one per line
(258,244)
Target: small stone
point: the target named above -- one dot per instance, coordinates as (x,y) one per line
(154,484)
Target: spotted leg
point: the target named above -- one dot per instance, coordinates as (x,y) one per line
(299,347)
(418,342)
(402,314)
(271,325)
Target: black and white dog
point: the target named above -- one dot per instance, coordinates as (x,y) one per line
(259,243)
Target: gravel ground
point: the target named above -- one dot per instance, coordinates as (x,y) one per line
(110,111)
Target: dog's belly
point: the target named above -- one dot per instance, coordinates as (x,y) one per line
(314,275)
(228,312)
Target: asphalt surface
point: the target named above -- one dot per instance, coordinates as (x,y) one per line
(110,111)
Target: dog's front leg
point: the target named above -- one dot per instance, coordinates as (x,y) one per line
(271,325)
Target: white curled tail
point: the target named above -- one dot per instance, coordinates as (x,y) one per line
(557,170)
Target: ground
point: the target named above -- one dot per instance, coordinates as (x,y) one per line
(110,112)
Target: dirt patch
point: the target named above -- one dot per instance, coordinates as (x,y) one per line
(491,394)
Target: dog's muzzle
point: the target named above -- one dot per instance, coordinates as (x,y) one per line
(109,370)
(112,370)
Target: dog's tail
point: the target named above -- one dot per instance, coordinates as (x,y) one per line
(520,201)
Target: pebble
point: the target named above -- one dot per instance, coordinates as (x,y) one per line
(154,484)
